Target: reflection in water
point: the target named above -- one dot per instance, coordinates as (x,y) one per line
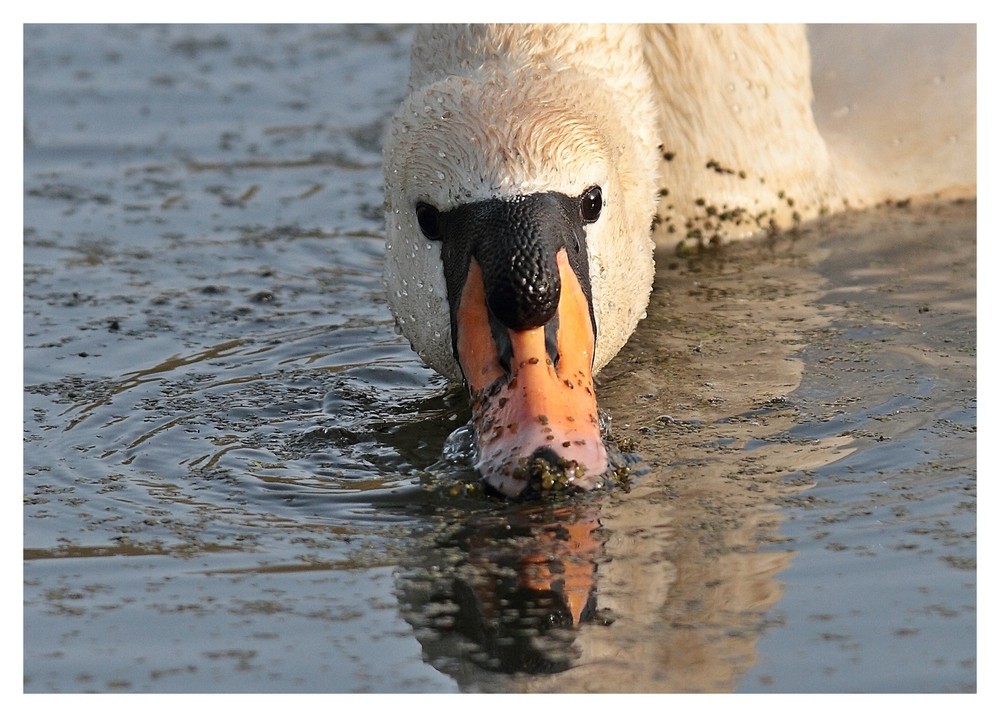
(518,581)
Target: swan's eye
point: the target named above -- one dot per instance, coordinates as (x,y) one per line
(591,203)
(429,220)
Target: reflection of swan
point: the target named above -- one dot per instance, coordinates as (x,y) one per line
(512,588)
(522,172)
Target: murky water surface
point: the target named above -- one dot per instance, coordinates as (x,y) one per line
(233,470)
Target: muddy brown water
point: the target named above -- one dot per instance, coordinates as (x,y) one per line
(233,468)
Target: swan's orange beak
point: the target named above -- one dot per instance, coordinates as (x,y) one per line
(536,420)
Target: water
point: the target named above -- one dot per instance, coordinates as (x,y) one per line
(233,471)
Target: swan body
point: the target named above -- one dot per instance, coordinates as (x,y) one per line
(523,173)
(735,120)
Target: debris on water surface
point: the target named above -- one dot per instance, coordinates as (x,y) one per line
(542,474)
(546,476)
(560,478)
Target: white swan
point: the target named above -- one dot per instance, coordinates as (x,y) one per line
(522,175)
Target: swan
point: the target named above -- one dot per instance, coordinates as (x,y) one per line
(523,173)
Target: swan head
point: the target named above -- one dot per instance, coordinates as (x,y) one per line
(518,256)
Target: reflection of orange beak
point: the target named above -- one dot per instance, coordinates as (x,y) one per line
(537,426)
(567,567)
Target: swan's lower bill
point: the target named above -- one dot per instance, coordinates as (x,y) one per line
(534,409)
